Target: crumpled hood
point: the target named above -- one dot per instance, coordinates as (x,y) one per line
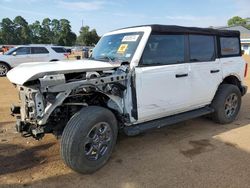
(32,71)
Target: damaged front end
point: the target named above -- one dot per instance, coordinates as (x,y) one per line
(47,103)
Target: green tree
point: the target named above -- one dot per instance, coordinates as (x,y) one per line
(56,29)
(87,37)
(248,23)
(236,20)
(66,36)
(46,33)
(36,31)
(7,31)
(19,31)
(22,30)
(1,38)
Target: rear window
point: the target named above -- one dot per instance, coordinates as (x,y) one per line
(59,49)
(229,46)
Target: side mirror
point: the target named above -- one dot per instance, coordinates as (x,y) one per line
(14,53)
(242,52)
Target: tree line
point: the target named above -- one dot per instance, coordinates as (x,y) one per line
(237,20)
(58,32)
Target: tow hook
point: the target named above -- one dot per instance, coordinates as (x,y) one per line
(38,133)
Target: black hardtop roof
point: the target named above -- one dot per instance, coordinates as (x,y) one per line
(190,30)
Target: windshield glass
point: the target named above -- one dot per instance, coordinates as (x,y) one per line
(118,47)
(10,51)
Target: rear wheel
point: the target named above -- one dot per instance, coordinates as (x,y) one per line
(4,68)
(227,103)
(88,139)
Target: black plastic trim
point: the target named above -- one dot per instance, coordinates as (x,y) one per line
(181,75)
(243,90)
(134,111)
(188,30)
(169,120)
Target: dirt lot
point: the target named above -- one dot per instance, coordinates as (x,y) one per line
(195,153)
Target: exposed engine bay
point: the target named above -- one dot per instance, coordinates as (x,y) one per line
(49,102)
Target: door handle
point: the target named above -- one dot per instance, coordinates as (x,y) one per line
(181,75)
(214,71)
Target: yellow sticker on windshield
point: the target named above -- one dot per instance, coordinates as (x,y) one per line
(122,48)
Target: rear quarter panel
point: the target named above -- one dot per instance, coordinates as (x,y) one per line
(233,66)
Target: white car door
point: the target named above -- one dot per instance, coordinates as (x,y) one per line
(206,73)
(162,78)
(39,54)
(20,55)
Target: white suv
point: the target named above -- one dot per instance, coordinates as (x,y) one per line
(30,53)
(137,79)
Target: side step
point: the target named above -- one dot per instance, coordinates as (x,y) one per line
(162,122)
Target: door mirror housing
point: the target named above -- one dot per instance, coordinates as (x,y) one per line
(14,53)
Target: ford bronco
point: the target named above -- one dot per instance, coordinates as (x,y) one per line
(137,79)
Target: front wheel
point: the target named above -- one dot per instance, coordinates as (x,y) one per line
(4,68)
(226,103)
(88,139)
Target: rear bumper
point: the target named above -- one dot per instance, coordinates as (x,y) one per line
(244,90)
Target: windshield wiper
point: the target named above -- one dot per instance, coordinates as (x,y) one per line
(110,59)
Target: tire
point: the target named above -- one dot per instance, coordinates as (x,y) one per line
(4,68)
(80,138)
(226,103)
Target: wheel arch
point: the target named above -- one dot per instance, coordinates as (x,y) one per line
(233,80)
(113,103)
(54,60)
(4,62)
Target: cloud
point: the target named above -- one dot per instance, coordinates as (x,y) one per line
(82,6)
(24,11)
(26,1)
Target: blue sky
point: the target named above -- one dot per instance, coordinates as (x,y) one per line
(107,15)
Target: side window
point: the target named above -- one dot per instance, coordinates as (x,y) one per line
(164,50)
(39,50)
(229,46)
(22,51)
(59,50)
(202,48)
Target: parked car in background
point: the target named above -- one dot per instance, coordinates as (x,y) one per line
(87,51)
(30,53)
(76,49)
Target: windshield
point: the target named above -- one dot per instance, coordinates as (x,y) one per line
(118,47)
(10,51)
